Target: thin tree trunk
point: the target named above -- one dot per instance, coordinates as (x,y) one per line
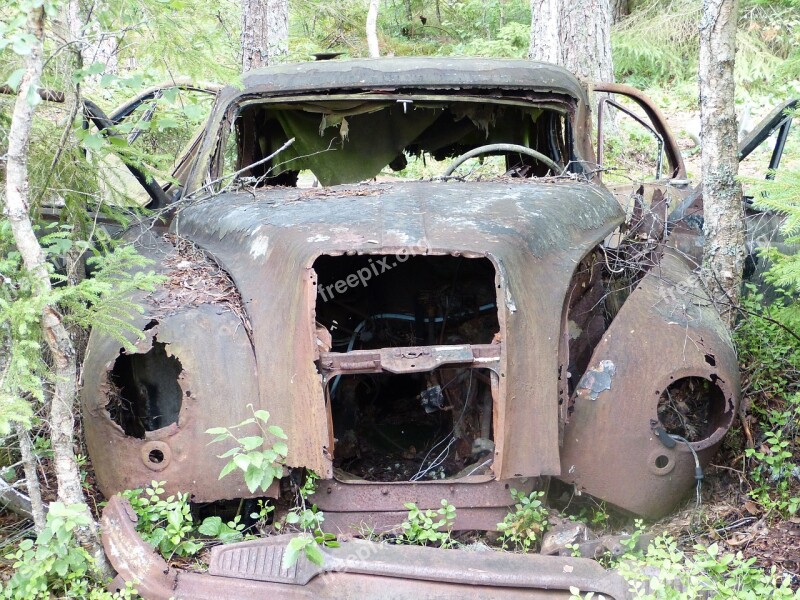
(93,45)
(54,332)
(265,32)
(723,253)
(31,478)
(372,29)
(409,15)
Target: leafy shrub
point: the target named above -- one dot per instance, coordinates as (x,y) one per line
(666,572)
(55,565)
(522,528)
(308,520)
(428,527)
(260,466)
(166,523)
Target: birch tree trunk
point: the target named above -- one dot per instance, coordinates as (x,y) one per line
(31,478)
(573,34)
(372,29)
(55,334)
(89,41)
(723,253)
(265,32)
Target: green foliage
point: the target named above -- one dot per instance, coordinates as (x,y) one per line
(523,527)
(768,353)
(164,523)
(308,520)
(466,28)
(260,464)
(102,301)
(668,573)
(771,362)
(55,565)
(659,43)
(511,41)
(428,527)
(215,527)
(773,471)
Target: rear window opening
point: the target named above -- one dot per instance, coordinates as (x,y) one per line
(413,427)
(382,301)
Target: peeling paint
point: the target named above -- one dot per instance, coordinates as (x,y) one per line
(260,246)
(597,380)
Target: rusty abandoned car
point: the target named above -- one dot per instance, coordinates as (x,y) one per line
(451,336)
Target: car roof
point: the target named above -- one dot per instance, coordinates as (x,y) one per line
(414,72)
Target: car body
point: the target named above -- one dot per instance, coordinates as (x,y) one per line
(416,340)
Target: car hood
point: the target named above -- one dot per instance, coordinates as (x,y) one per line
(534,232)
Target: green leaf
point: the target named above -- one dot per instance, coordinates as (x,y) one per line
(211,526)
(251,442)
(242,461)
(293,549)
(277,432)
(227,469)
(93,142)
(314,554)
(261,415)
(14,79)
(252,478)
(281,448)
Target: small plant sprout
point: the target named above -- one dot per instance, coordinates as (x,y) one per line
(307,519)
(428,527)
(523,526)
(261,463)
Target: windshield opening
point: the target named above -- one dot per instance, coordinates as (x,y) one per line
(340,141)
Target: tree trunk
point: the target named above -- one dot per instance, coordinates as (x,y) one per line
(723,253)
(372,29)
(94,44)
(31,478)
(265,32)
(54,332)
(619,10)
(545,24)
(575,35)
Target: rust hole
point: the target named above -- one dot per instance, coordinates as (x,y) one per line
(145,393)
(692,407)
(156,456)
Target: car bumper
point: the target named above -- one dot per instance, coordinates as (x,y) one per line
(253,569)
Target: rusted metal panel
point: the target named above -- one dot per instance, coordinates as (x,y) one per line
(218,381)
(268,242)
(413,72)
(414,359)
(667,330)
(355,569)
